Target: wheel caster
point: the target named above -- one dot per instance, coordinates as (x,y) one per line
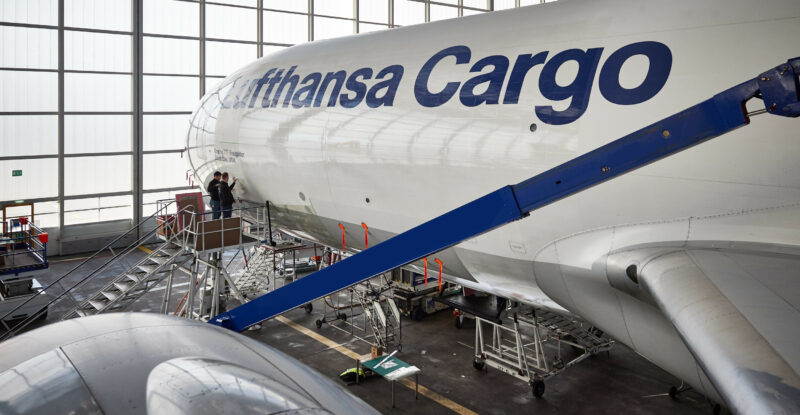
(309,308)
(343,316)
(478,364)
(318,323)
(537,388)
(673,392)
(459,322)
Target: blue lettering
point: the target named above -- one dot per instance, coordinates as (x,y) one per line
(242,94)
(339,77)
(391,84)
(309,90)
(495,79)
(226,91)
(290,81)
(354,85)
(660,58)
(488,75)
(523,64)
(272,82)
(424,96)
(261,83)
(579,90)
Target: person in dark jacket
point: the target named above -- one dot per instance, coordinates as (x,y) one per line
(225,197)
(213,192)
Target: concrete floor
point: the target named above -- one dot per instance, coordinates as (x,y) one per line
(616,382)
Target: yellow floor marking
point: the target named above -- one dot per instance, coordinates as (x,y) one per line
(318,337)
(145,249)
(441,400)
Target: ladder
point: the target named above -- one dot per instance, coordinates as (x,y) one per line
(587,338)
(255,278)
(136,281)
(778,88)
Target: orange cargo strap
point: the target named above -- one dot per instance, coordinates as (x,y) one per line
(426,271)
(342,226)
(366,240)
(440,273)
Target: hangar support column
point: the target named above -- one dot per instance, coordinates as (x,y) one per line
(137,10)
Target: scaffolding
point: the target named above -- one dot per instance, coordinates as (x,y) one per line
(23,255)
(370,313)
(518,348)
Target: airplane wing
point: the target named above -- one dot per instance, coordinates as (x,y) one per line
(739,314)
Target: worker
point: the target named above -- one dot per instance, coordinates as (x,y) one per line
(213,192)
(225,196)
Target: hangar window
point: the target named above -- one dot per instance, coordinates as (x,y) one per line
(44,12)
(326,27)
(171,56)
(224,22)
(171,17)
(100,90)
(97,133)
(89,51)
(25,47)
(286,28)
(98,14)
(28,135)
(374,11)
(97,92)
(97,174)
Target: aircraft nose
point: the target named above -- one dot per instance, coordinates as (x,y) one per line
(201,137)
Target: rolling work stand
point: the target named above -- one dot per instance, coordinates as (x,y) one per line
(507,349)
(778,88)
(23,255)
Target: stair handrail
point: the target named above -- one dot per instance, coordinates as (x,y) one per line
(176,234)
(11,331)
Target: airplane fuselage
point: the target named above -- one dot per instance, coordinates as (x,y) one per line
(393,128)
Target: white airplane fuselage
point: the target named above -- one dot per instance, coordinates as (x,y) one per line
(393,128)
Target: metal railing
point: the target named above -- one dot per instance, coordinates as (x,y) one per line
(201,233)
(11,331)
(22,241)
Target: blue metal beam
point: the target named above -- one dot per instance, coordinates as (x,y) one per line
(724,112)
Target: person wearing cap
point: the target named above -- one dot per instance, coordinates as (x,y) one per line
(213,192)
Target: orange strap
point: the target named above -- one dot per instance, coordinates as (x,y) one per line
(342,226)
(426,269)
(366,240)
(440,273)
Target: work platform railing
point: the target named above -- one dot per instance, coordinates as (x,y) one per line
(778,88)
(189,240)
(62,289)
(207,239)
(23,246)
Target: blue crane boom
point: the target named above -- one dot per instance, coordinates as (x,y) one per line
(779,88)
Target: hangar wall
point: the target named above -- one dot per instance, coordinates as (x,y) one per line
(96,94)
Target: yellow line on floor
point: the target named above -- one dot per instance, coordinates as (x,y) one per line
(441,400)
(145,249)
(318,337)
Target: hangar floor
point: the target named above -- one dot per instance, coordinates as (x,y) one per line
(616,382)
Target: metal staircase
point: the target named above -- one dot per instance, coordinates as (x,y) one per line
(255,279)
(136,281)
(66,293)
